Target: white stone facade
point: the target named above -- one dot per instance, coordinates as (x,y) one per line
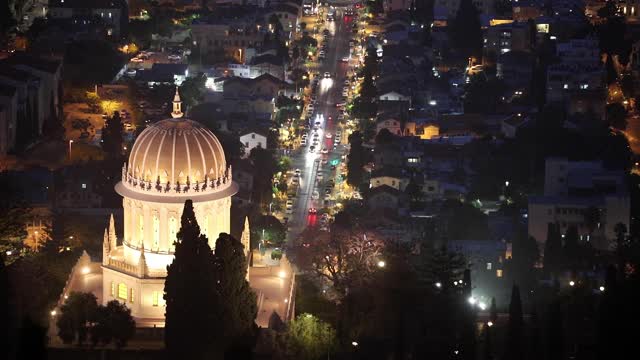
(134,271)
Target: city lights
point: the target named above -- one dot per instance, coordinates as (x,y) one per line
(572,283)
(85,270)
(490,324)
(438,285)
(282,274)
(381,264)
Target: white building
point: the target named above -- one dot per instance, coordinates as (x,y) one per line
(580,68)
(171,161)
(252,140)
(571,190)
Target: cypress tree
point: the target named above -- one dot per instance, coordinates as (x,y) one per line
(467,323)
(493,311)
(112,135)
(5,319)
(553,250)
(572,247)
(466,31)
(608,345)
(190,294)
(238,308)
(57,233)
(488,351)
(515,327)
(555,341)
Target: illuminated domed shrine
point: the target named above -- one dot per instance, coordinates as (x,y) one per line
(171,161)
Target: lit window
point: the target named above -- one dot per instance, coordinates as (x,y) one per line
(84,186)
(131,296)
(155,298)
(122,291)
(113,289)
(488,266)
(499,273)
(566,86)
(156,231)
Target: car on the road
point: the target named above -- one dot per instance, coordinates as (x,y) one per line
(327,197)
(315,195)
(327,75)
(338,132)
(325,31)
(313,210)
(312,148)
(298,172)
(325,150)
(345,59)
(318,123)
(319,177)
(328,135)
(303,141)
(174,57)
(315,136)
(289,203)
(324,162)
(327,191)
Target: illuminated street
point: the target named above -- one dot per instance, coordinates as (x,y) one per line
(326,113)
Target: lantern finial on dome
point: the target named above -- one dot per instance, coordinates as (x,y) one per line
(177,106)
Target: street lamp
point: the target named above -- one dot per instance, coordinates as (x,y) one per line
(490,324)
(381,264)
(572,283)
(354,343)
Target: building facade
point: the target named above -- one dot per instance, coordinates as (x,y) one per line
(171,161)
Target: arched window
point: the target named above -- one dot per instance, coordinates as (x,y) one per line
(122,291)
(156,231)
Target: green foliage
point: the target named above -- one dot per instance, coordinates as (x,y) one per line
(238,308)
(113,136)
(525,254)
(274,232)
(5,309)
(617,116)
(355,160)
(265,166)
(76,315)
(475,221)
(482,95)
(90,62)
(189,288)
(192,90)
(439,265)
(276,254)
(113,323)
(466,33)
(310,338)
(515,327)
(553,258)
(300,77)
(56,234)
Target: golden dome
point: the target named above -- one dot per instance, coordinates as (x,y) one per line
(176,150)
